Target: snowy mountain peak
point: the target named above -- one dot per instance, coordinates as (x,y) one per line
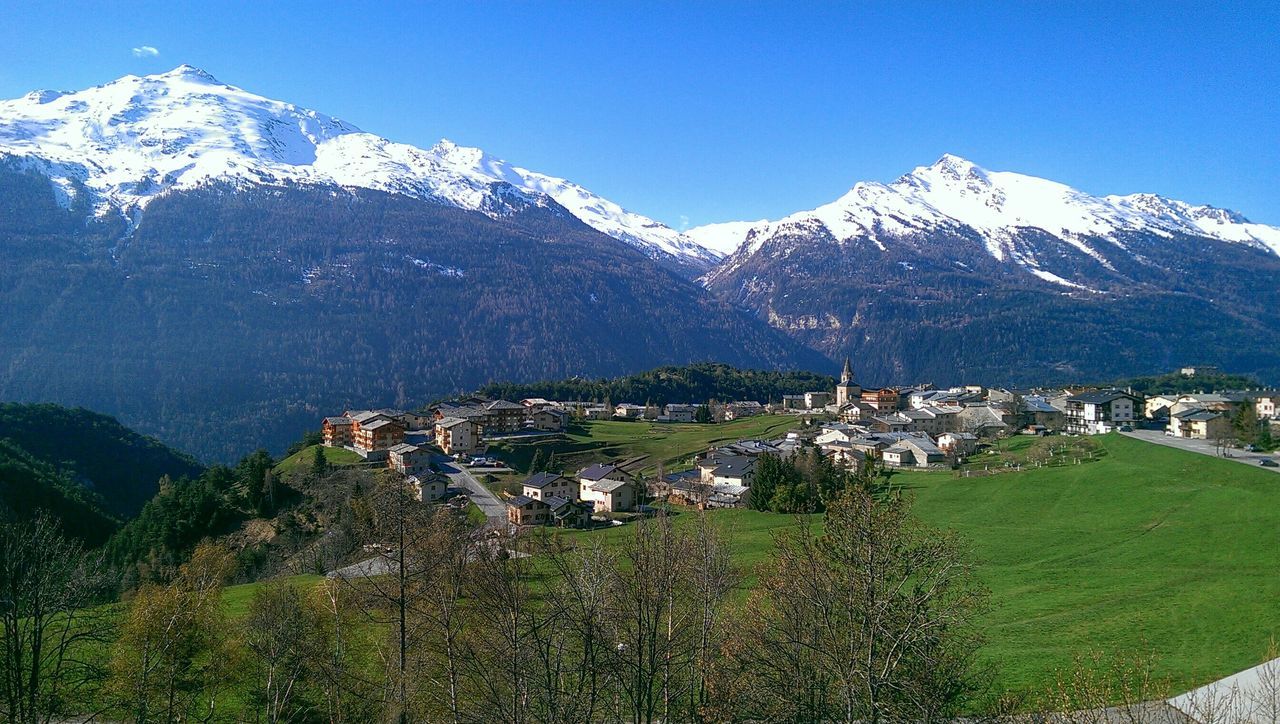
(190,72)
(137,137)
(954,193)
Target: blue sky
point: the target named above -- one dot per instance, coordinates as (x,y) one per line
(697,112)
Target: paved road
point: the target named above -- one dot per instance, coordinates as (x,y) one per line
(486,501)
(1204,447)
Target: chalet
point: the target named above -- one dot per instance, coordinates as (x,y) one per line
(523,510)
(547,485)
(549,419)
(680,413)
(1101,411)
(882,400)
(533,404)
(430,486)
(568,513)
(607,488)
(1200,424)
(373,432)
(456,435)
(598,412)
(337,431)
(502,417)
(409,459)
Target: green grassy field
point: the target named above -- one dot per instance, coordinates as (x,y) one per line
(672,445)
(302,458)
(1145,550)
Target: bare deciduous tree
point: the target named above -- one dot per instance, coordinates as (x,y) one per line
(869,622)
(47,583)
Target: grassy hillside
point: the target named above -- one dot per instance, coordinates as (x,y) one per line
(671,445)
(302,459)
(1147,549)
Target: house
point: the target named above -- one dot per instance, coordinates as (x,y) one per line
(628,411)
(422,420)
(430,486)
(457,435)
(793,402)
(533,404)
(1200,424)
(607,488)
(502,417)
(816,400)
(1263,401)
(1157,407)
(336,431)
(958,443)
(680,413)
(549,419)
(742,408)
(568,513)
(727,470)
(597,413)
(523,510)
(882,400)
(913,451)
(1040,412)
(375,432)
(983,420)
(547,485)
(890,422)
(854,411)
(1101,411)
(409,459)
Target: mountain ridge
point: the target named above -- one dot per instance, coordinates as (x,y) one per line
(137,137)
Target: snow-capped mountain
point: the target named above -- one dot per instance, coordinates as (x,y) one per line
(955,194)
(954,272)
(131,140)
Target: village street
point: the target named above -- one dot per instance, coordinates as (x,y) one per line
(486,501)
(1204,447)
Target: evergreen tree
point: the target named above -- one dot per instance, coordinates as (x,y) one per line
(538,464)
(1245,422)
(703,415)
(319,463)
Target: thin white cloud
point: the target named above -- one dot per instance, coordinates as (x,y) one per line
(145,51)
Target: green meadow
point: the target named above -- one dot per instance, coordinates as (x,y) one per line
(1145,551)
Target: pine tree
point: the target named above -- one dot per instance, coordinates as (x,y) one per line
(319,463)
(703,415)
(538,464)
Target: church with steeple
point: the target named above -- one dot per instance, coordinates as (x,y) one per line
(847,391)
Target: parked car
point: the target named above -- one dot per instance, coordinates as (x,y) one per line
(1268,463)
(1126,428)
